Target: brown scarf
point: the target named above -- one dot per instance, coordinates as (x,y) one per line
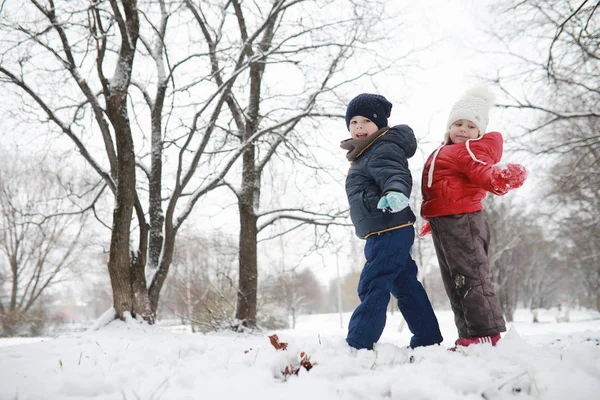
(355,147)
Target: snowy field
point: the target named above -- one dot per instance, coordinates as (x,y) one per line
(128,360)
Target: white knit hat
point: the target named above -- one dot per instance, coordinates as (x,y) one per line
(475,106)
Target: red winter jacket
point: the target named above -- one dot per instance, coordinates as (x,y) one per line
(456,177)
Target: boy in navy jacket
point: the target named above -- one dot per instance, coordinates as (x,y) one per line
(378,187)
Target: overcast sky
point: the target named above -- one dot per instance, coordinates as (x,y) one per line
(451,65)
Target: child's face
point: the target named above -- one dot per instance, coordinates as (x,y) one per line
(362,127)
(463,130)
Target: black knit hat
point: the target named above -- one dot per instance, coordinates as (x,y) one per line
(373,106)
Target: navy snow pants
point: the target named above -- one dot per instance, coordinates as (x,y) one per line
(391,269)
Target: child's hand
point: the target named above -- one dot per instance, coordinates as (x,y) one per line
(510,177)
(394,201)
(425,229)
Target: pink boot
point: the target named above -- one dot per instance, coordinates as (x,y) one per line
(465,342)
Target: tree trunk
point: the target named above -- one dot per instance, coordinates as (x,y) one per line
(119,263)
(126,273)
(508,314)
(168,249)
(141,301)
(8,321)
(248,202)
(248,270)
(155,183)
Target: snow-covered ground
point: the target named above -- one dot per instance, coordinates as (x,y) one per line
(128,360)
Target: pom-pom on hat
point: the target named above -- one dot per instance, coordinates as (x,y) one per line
(373,106)
(475,106)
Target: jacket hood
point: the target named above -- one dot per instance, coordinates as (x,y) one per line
(404,137)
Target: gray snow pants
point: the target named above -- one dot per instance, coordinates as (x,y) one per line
(461,244)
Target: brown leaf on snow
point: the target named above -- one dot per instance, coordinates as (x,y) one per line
(278,345)
(305,362)
(292,369)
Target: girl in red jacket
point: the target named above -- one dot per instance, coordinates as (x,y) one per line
(456,178)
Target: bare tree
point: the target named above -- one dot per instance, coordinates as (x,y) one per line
(582,259)
(299,292)
(526,263)
(574,180)
(505,237)
(555,83)
(543,278)
(55,40)
(78,43)
(182,109)
(557,61)
(292,35)
(37,246)
(201,290)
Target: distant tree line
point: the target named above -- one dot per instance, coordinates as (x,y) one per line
(553,89)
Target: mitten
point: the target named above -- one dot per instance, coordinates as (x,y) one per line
(425,229)
(394,201)
(510,177)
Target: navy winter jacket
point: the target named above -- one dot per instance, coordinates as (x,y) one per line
(380,168)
